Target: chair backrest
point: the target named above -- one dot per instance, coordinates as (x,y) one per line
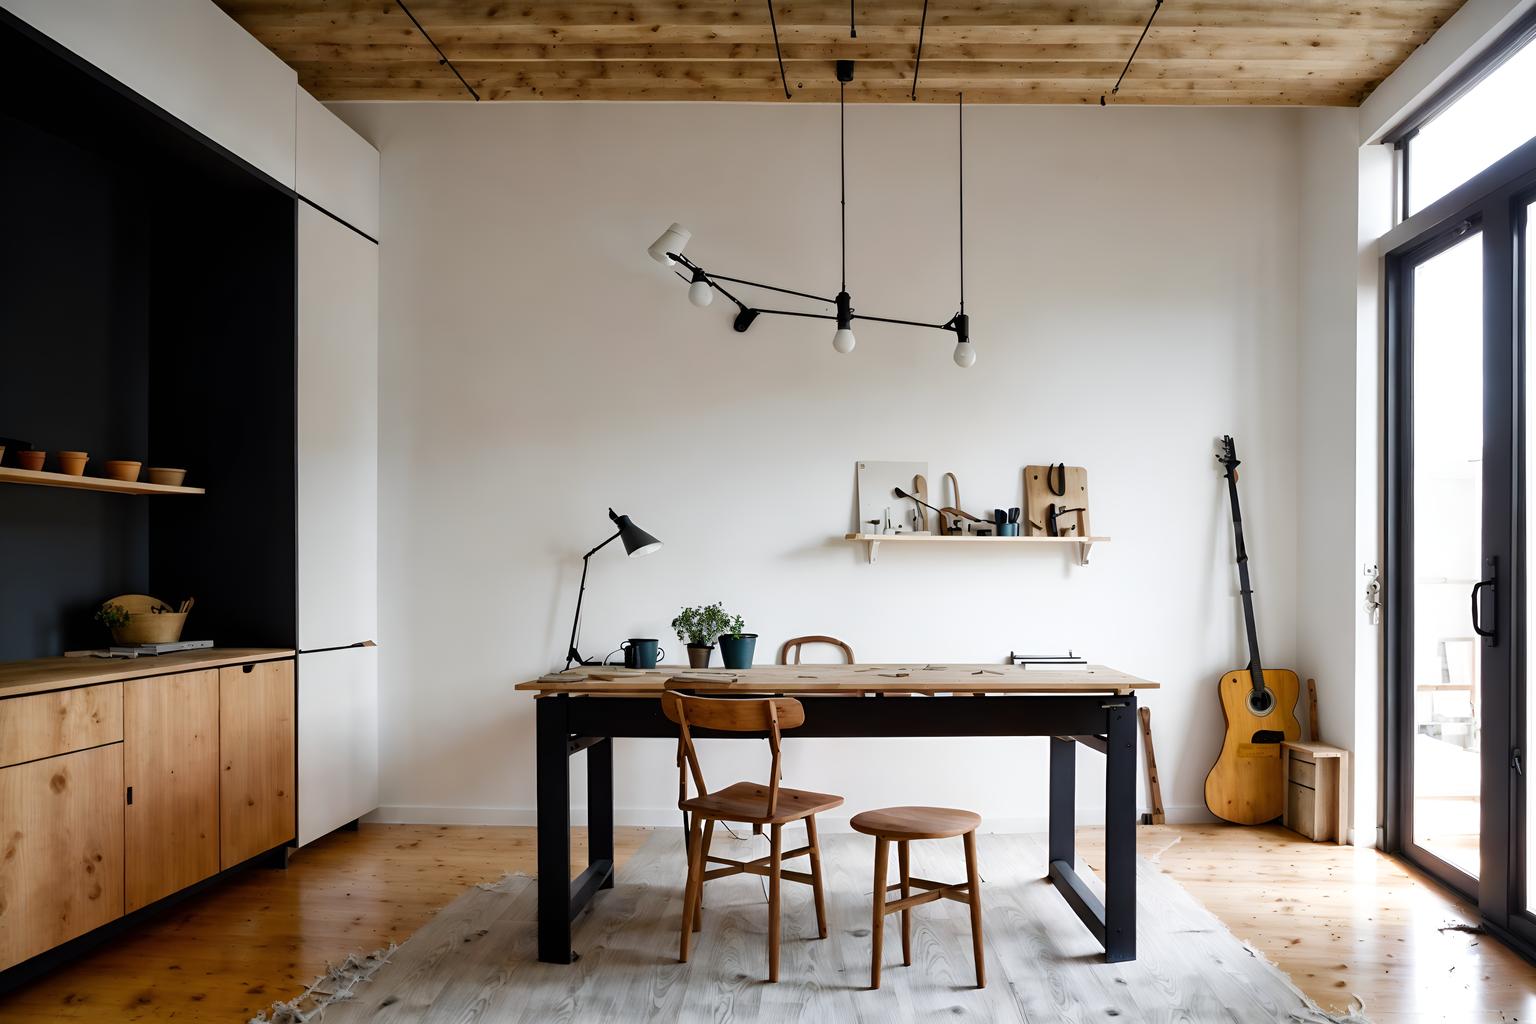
(800,641)
(750,714)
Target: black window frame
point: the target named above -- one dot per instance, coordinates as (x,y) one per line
(1400,136)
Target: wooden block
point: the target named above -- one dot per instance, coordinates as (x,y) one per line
(1038,498)
(46,724)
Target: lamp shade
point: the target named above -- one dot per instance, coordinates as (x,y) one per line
(636,541)
(672,240)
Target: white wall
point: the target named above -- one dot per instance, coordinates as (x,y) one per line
(1133,286)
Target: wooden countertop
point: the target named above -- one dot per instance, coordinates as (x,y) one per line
(929,677)
(43,674)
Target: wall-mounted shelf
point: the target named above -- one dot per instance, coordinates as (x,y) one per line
(43,478)
(873,541)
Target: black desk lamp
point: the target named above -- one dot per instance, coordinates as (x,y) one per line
(636,543)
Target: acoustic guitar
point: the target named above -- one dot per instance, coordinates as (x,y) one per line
(1247,784)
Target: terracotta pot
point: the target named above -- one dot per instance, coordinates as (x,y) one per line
(73,463)
(31,459)
(169,477)
(122,469)
(698,655)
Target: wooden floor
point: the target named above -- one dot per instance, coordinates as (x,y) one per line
(1349,926)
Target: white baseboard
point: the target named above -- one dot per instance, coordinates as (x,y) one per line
(668,817)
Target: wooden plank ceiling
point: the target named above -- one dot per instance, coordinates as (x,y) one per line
(1250,52)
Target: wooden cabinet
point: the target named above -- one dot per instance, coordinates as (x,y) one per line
(61,869)
(45,724)
(171,767)
(257,809)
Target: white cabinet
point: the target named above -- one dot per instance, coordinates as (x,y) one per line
(337,169)
(338,739)
(337,434)
(191,59)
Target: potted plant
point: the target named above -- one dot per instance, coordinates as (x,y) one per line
(698,627)
(736,647)
(113,616)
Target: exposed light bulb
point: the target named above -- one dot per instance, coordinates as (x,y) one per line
(843,340)
(965,355)
(700,293)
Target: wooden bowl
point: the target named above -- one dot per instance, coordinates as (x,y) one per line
(122,469)
(31,459)
(168,477)
(73,463)
(146,626)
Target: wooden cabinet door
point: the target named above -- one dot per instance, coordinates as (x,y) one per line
(61,849)
(256,759)
(171,765)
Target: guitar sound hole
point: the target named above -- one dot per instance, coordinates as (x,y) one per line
(1261,702)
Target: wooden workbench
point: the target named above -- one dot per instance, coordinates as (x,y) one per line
(1090,706)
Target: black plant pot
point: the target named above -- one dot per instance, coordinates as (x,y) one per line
(698,655)
(736,651)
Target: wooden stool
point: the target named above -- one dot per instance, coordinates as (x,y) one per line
(903,824)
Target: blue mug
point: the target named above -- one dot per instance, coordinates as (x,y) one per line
(641,653)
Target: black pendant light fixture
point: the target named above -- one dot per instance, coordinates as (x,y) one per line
(702,284)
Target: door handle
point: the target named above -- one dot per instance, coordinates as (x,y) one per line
(1490,636)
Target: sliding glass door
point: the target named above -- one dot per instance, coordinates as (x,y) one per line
(1461,546)
(1446,321)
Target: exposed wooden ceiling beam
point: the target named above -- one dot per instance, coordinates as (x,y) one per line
(1315,52)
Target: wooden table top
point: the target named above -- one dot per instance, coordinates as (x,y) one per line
(929,677)
(43,674)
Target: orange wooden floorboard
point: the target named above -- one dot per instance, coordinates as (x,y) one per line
(1348,925)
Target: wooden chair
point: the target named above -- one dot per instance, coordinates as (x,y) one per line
(901,825)
(800,641)
(747,803)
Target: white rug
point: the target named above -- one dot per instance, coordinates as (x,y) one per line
(477,959)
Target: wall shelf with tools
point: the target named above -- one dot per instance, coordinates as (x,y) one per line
(873,541)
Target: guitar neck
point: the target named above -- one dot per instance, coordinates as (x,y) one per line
(1255,665)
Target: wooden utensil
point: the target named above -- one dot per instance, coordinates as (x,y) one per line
(920,488)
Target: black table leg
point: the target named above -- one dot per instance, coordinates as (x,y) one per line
(1120,833)
(600,808)
(554,838)
(1063,799)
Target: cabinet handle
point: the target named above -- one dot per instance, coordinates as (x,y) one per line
(130,796)
(247,669)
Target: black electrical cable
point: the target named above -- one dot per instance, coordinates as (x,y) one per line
(960,112)
(1156,6)
(917,65)
(842,172)
(777,52)
(442,57)
(853,28)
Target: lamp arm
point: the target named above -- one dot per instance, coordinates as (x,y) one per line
(571,654)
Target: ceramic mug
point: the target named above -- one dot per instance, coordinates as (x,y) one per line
(641,653)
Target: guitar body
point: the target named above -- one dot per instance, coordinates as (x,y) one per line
(1246,785)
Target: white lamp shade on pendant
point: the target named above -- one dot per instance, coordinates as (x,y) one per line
(700,293)
(965,354)
(843,340)
(672,240)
